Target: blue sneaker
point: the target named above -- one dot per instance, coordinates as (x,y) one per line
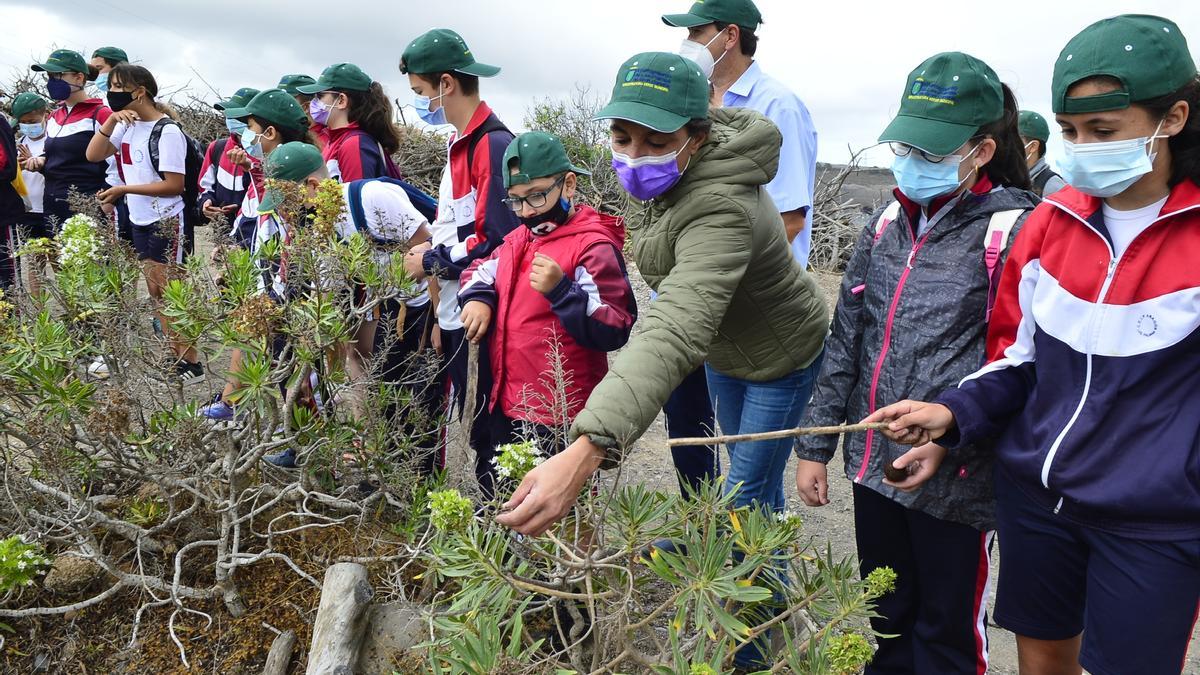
(283,460)
(217,411)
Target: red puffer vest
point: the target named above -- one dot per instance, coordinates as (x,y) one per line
(526,329)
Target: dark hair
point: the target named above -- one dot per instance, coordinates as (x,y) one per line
(698,126)
(1008,166)
(1185,145)
(286,134)
(372,111)
(90,74)
(1041,147)
(112,63)
(747,40)
(127,75)
(468,84)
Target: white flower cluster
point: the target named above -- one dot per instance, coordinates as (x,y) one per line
(514,460)
(19,563)
(78,242)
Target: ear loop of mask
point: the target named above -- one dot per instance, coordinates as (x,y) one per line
(724,53)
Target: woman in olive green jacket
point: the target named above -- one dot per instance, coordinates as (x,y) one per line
(708,239)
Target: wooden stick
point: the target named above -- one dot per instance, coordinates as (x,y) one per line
(782,433)
(468,411)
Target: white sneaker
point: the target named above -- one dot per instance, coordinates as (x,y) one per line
(98,369)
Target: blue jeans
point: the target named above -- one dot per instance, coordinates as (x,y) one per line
(746,407)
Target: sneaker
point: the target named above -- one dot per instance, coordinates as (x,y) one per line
(217,411)
(283,460)
(98,368)
(189,373)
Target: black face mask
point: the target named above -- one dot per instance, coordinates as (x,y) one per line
(545,223)
(119,100)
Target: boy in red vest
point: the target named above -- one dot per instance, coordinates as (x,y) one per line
(556,291)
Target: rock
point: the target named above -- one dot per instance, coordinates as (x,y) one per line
(392,629)
(71,574)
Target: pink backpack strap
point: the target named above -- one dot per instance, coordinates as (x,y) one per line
(996,241)
(891,213)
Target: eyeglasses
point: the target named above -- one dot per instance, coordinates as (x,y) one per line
(535,200)
(904,150)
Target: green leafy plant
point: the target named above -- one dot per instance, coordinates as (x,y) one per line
(21,563)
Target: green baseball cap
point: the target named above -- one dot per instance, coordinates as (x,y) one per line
(946,100)
(290,83)
(339,77)
(275,107)
(659,90)
(739,12)
(62,61)
(536,154)
(240,99)
(442,50)
(293,162)
(112,54)
(1147,54)
(28,102)
(1033,126)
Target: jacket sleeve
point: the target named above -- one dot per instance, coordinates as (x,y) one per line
(493,221)
(208,172)
(595,301)
(8,154)
(479,281)
(711,257)
(843,365)
(986,400)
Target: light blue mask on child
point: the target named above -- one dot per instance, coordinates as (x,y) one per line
(1107,169)
(251,144)
(102,83)
(922,180)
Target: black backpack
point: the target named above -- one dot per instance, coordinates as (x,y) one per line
(193,160)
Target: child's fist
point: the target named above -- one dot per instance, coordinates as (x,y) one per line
(545,274)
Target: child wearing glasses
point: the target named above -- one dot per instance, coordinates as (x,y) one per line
(555,297)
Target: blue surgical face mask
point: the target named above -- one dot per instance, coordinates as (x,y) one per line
(922,180)
(1107,169)
(235,127)
(251,144)
(33,130)
(434,117)
(102,83)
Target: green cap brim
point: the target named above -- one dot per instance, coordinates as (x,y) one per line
(641,113)
(47,68)
(933,136)
(685,20)
(479,69)
(222,105)
(310,89)
(235,113)
(581,172)
(270,200)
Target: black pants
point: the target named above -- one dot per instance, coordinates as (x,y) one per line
(689,414)
(503,429)
(454,367)
(939,608)
(9,277)
(405,369)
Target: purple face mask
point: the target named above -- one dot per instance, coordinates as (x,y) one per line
(648,176)
(318,111)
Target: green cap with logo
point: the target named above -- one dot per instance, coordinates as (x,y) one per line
(738,12)
(240,99)
(659,90)
(946,100)
(292,162)
(1148,55)
(1033,126)
(275,107)
(62,61)
(338,77)
(291,83)
(536,154)
(28,102)
(112,54)
(442,50)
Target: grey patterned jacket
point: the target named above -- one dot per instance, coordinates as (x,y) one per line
(910,322)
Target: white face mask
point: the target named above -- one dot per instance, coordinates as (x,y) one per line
(699,53)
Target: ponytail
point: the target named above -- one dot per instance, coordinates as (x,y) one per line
(1008,166)
(372,111)
(92,73)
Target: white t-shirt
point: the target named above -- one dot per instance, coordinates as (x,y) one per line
(1125,226)
(35,182)
(133,151)
(390,218)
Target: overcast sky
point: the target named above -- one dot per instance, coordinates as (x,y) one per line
(847,60)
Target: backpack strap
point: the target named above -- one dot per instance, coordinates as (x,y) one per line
(1000,227)
(155,140)
(492,123)
(891,213)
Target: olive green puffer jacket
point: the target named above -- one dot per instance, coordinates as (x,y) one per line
(729,292)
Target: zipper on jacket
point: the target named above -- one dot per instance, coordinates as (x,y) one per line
(887,341)
(1094,324)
